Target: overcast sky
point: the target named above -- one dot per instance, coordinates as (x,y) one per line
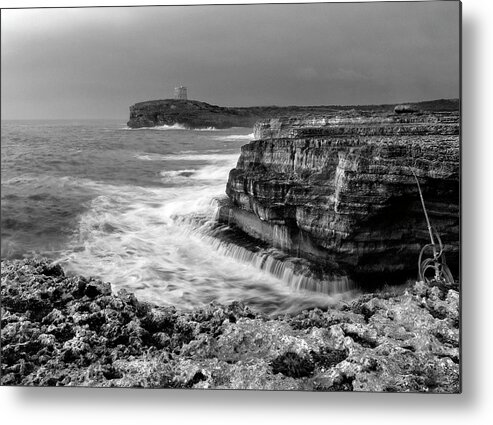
(96,62)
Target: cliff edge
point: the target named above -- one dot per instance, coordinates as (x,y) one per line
(196,114)
(339,189)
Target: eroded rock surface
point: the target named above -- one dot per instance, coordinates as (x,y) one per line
(59,330)
(340,190)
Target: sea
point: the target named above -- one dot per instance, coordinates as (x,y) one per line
(137,208)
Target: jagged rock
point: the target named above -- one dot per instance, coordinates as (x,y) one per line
(340,191)
(395,343)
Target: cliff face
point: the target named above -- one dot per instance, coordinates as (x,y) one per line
(339,190)
(195,114)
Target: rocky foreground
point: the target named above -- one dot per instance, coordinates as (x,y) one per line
(59,330)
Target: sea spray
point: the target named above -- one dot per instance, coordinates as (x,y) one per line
(114,204)
(294,272)
(170,254)
(245,137)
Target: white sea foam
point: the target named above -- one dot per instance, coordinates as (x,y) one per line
(132,241)
(237,137)
(209,157)
(136,238)
(148,227)
(214,172)
(214,156)
(191,176)
(205,151)
(173,127)
(158,128)
(151,157)
(180,177)
(207,129)
(174,174)
(157,242)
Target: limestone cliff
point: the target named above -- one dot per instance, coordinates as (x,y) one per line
(195,114)
(339,189)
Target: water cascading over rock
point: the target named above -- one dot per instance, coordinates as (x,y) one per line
(296,273)
(339,189)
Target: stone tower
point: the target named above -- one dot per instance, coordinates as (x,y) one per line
(181,93)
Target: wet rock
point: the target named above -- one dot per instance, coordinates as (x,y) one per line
(95,288)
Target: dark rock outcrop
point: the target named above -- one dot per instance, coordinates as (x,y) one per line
(339,189)
(195,114)
(188,113)
(59,330)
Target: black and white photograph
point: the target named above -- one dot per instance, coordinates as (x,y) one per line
(261,197)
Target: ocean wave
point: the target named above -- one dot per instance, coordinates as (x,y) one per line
(213,156)
(206,151)
(209,173)
(170,127)
(202,157)
(206,129)
(134,241)
(236,137)
(175,176)
(143,241)
(174,127)
(159,128)
(151,157)
(213,172)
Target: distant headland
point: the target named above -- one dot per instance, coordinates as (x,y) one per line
(197,114)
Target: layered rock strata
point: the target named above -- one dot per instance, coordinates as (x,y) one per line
(339,189)
(59,330)
(196,114)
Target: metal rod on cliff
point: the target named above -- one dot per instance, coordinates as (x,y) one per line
(430,230)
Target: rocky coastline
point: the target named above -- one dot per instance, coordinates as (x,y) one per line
(336,185)
(340,190)
(196,114)
(60,330)
(333,188)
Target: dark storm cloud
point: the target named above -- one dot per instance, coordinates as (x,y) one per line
(64,63)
